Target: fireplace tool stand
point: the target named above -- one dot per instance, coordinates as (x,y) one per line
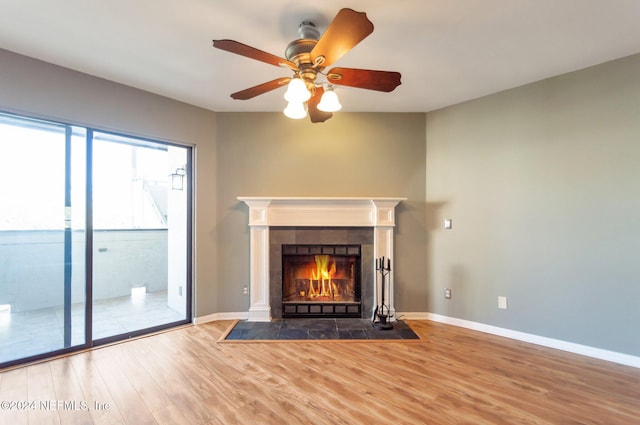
(382,312)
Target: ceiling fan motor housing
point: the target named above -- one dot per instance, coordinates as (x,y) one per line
(298,52)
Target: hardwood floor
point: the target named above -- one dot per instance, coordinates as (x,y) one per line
(453,376)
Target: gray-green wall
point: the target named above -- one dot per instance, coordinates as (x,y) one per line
(543,185)
(267,154)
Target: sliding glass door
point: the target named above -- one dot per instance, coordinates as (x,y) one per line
(42,237)
(139,235)
(95,236)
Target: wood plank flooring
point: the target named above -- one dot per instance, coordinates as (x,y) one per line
(452,376)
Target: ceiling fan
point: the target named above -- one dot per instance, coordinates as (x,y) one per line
(310,88)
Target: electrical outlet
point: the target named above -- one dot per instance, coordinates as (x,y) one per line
(447,293)
(502,303)
(245,290)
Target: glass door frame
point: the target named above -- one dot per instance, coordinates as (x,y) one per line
(89,342)
(188,185)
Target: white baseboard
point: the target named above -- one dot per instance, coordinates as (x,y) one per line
(243,315)
(571,347)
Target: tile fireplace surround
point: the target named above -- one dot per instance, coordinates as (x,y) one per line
(266,212)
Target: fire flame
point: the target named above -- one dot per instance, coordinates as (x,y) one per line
(323,274)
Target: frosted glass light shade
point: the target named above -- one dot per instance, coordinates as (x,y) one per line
(297,91)
(329,102)
(295,110)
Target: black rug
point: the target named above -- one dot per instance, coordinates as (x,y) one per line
(318,329)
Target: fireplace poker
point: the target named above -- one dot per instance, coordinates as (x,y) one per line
(384,318)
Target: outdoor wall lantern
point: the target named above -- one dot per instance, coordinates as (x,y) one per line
(177,179)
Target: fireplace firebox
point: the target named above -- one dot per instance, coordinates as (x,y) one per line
(321,281)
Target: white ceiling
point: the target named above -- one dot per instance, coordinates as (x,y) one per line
(448,51)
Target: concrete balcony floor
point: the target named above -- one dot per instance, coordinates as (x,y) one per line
(36,332)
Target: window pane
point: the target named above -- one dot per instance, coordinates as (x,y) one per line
(42,259)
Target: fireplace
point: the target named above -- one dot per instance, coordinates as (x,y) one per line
(276,221)
(321,281)
(296,247)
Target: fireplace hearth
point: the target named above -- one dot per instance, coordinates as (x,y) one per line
(321,281)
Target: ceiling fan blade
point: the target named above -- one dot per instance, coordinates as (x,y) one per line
(260,89)
(252,52)
(315,114)
(347,29)
(365,78)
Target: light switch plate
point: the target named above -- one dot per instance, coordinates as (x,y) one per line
(448,223)
(502,303)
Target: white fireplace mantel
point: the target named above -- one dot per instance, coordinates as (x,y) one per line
(264,212)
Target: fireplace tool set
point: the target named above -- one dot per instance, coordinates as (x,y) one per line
(382,312)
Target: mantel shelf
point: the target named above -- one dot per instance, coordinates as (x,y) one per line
(321,211)
(319,199)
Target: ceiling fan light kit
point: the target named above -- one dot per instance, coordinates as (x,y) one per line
(329,101)
(307,57)
(297,91)
(295,110)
